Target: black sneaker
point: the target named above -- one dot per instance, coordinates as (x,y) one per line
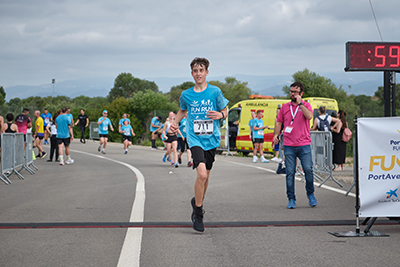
(197,217)
(179,160)
(38,156)
(44,154)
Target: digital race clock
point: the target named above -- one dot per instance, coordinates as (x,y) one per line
(369,56)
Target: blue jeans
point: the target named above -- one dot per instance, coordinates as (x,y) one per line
(305,156)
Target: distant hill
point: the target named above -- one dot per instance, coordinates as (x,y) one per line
(364,83)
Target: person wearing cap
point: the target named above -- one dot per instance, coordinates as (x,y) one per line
(104,123)
(155,127)
(121,121)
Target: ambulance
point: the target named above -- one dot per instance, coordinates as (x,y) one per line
(235,130)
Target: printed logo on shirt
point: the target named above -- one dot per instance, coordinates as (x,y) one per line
(196,108)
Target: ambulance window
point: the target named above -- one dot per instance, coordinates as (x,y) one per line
(234,116)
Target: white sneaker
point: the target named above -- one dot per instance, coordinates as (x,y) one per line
(70,161)
(264,160)
(255,159)
(275,159)
(62,163)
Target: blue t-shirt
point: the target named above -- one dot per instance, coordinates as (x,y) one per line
(63,123)
(103,127)
(154,121)
(258,133)
(46,118)
(121,121)
(182,127)
(251,122)
(70,117)
(126,129)
(200,130)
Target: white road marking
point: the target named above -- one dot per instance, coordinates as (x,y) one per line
(297,178)
(130,252)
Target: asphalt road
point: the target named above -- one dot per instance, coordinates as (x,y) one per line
(129,210)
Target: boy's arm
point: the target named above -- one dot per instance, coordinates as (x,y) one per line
(178,118)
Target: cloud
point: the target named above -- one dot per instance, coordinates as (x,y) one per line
(42,39)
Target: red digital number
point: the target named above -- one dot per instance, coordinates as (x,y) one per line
(380,56)
(396,56)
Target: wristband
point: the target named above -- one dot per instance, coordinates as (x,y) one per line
(301,103)
(223,116)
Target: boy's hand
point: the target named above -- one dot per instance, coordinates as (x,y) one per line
(214,115)
(174,127)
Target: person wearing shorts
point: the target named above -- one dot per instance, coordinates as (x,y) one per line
(258,135)
(253,116)
(182,140)
(39,135)
(205,106)
(171,140)
(46,116)
(155,127)
(104,123)
(127,133)
(64,136)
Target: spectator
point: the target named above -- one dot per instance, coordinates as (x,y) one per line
(9,126)
(339,149)
(323,121)
(296,116)
(23,122)
(52,130)
(83,121)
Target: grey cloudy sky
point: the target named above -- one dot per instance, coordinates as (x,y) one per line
(74,39)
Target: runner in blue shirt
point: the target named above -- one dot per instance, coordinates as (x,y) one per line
(155,127)
(104,123)
(46,116)
(205,105)
(127,133)
(258,135)
(121,121)
(183,143)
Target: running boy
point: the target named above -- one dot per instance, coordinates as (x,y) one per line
(104,123)
(205,105)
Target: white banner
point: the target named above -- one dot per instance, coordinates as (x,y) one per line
(379,166)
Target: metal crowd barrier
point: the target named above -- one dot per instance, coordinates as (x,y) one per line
(14,155)
(29,154)
(322,149)
(94,131)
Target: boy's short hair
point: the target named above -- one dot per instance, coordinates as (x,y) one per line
(25,110)
(201,62)
(322,109)
(64,109)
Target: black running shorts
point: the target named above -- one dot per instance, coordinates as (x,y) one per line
(199,155)
(66,141)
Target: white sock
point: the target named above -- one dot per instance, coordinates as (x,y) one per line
(68,157)
(61,159)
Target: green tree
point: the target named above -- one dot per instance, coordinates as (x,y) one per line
(126,85)
(380,98)
(176,91)
(369,106)
(233,90)
(2,96)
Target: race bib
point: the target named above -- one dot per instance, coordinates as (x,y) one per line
(260,132)
(203,127)
(47,120)
(105,128)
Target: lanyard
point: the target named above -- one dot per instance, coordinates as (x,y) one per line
(293,115)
